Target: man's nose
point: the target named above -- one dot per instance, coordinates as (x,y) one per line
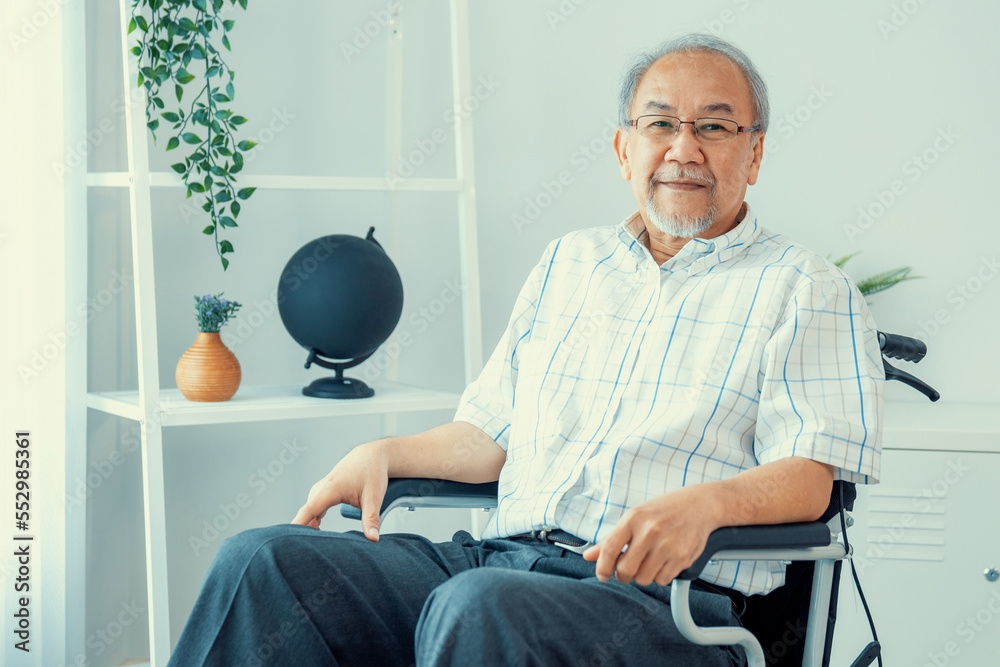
(685,147)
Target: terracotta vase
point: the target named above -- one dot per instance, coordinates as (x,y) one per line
(208,371)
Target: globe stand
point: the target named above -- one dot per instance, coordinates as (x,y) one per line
(337,386)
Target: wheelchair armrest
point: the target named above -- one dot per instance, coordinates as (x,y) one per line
(781,537)
(423,492)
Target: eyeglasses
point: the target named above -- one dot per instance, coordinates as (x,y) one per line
(709,130)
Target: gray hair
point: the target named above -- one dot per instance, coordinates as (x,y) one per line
(688,43)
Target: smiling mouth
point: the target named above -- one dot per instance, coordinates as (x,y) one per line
(683,186)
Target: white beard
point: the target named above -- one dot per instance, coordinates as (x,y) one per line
(683,226)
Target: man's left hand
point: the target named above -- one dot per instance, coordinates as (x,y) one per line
(663,535)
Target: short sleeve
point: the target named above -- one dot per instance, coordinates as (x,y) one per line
(488,402)
(821,383)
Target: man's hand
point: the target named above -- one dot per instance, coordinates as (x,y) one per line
(360,479)
(664,536)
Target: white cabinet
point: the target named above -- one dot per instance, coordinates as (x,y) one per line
(923,540)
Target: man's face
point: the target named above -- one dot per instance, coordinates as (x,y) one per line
(693,187)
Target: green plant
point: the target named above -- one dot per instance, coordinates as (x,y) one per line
(213,312)
(880,281)
(173,34)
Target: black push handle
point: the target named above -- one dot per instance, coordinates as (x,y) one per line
(895,346)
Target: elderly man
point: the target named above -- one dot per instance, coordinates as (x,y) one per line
(682,371)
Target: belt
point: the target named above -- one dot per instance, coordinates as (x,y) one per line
(555,536)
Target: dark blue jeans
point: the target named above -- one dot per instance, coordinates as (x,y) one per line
(293,595)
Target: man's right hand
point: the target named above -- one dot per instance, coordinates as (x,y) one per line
(360,479)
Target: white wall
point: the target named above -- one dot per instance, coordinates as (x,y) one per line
(550,71)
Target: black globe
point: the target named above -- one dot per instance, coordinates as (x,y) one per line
(340,297)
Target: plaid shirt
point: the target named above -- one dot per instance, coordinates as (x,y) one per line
(618,380)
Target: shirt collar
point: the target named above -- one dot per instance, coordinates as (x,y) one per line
(746,232)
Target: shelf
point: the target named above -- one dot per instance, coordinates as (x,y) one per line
(166,179)
(263,403)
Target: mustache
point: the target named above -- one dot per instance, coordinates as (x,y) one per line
(688,173)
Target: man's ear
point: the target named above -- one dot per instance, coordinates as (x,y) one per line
(756,156)
(622,148)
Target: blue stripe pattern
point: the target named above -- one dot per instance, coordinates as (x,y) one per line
(629,380)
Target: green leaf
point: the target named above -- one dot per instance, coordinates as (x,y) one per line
(131,26)
(209,230)
(153,124)
(139,80)
(171,116)
(222,150)
(235,208)
(186,77)
(225,247)
(243,4)
(230,91)
(225,43)
(225,263)
(157,101)
(200,5)
(223,197)
(227,221)
(135,49)
(141,22)
(179,91)
(223,114)
(218,171)
(188,24)
(237,120)
(245,193)
(228,25)
(246,145)
(196,187)
(212,71)
(180,168)
(191,138)
(219,97)
(173,143)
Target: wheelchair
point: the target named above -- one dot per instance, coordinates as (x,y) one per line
(772,624)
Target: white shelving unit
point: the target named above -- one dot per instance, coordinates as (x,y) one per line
(153,406)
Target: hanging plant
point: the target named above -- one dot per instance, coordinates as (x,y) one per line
(173,36)
(880,281)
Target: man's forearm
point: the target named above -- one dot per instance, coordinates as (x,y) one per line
(457,451)
(784,491)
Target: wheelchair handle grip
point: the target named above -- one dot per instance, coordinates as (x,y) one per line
(895,346)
